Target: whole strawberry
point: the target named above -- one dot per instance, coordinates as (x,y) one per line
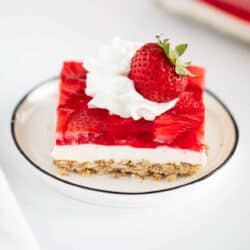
(157,71)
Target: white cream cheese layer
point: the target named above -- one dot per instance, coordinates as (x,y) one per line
(93,152)
(110,87)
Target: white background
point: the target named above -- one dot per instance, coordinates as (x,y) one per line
(35,37)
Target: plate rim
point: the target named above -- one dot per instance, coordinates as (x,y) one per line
(32,163)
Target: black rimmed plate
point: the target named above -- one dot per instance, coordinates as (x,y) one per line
(33,128)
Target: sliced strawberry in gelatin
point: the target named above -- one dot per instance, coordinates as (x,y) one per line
(198,80)
(180,127)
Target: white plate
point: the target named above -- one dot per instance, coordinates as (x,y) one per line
(33,128)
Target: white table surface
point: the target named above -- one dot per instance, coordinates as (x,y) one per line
(35,37)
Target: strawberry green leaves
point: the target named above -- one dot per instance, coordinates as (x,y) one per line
(181,71)
(174,56)
(180,49)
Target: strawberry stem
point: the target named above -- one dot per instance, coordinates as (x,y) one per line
(174,56)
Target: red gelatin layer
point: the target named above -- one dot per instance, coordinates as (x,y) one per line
(180,127)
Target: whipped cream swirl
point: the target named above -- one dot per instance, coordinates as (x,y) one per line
(110,88)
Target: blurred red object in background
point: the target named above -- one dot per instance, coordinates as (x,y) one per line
(238,8)
(231,17)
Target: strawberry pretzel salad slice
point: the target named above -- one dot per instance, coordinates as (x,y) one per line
(135,109)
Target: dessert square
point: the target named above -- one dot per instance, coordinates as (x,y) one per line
(96,140)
